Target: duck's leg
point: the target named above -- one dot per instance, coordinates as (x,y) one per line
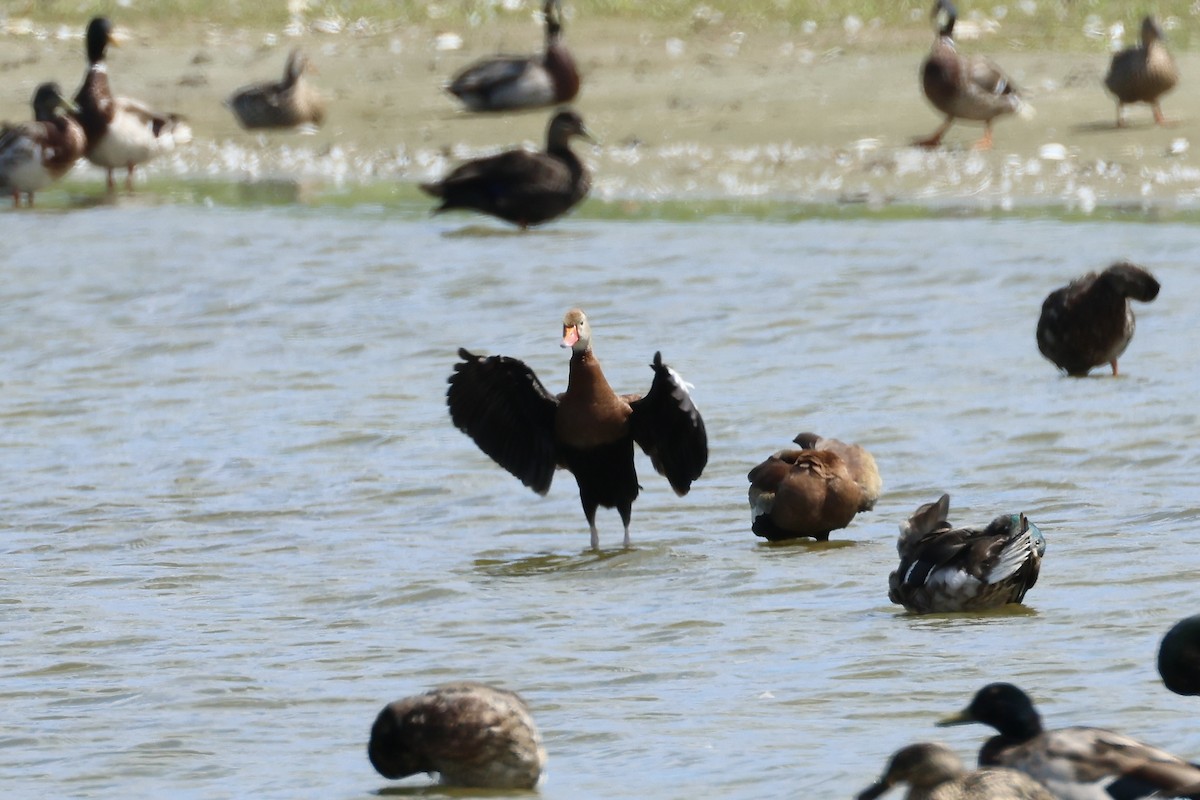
(1159,119)
(625,515)
(16,198)
(934,139)
(112,185)
(1114,366)
(589,511)
(129,179)
(986,142)
(1120,114)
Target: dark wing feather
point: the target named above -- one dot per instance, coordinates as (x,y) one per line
(512,170)
(486,75)
(501,404)
(667,426)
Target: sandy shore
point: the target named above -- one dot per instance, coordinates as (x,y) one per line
(714,114)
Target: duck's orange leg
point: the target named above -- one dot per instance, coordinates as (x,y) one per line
(934,139)
(1114,366)
(1159,119)
(986,142)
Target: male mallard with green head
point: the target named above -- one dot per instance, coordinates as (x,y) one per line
(35,154)
(287,103)
(964,87)
(121,133)
(1143,74)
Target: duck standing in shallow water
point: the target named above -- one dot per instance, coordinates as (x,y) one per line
(1143,74)
(944,569)
(589,429)
(506,83)
(288,103)
(813,491)
(1073,763)
(963,87)
(934,772)
(1089,322)
(470,734)
(35,154)
(1179,657)
(121,133)
(519,186)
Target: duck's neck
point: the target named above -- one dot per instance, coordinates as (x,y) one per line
(585,376)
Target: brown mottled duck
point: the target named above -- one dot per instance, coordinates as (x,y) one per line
(1143,74)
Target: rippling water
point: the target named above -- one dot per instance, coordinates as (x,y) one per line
(238,520)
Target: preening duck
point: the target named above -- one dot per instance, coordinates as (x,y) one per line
(1143,74)
(35,154)
(1073,763)
(964,87)
(468,733)
(944,569)
(1179,657)
(589,429)
(813,491)
(519,186)
(505,83)
(121,133)
(287,103)
(935,772)
(1089,322)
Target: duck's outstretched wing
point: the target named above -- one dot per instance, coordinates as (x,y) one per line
(500,403)
(667,425)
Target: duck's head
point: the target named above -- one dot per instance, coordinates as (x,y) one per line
(1179,657)
(99,36)
(944,15)
(390,750)
(921,766)
(563,126)
(1002,706)
(577,334)
(552,11)
(48,102)
(926,519)
(1151,32)
(297,65)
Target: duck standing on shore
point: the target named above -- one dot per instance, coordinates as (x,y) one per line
(1143,74)
(35,154)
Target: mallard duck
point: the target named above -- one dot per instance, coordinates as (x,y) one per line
(934,772)
(35,154)
(813,491)
(1073,763)
(470,734)
(589,429)
(280,104)
(120,132)
(946,569)
(504,83)
(1143,74)
(1179,657)
(964,87)
(519,186)
(1089,322)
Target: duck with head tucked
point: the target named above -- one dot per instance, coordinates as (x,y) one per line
(519,186)
(35,154)
(288,103)
(945,569)
(934,772)
(965,87)
(1089,322)
(506,83)
(470,734)
(1143,74)
(1073,763)
(121,133)
(1179,657)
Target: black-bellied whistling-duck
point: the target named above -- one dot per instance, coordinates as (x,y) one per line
(1143,74)
(519,186)
(505,83)
(1089,322)
(964,87)
(1179,657)
(468,733)
(35,154)
(121,133)
(935,772)
(861,464)
(287,103)
(589,429)
(1073,763)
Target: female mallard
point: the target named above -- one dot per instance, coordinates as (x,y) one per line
(519,186)
(288,103)
(120,132)
(1089,322)
(1179,657)
(505,83)
(964,569)
(813,491)
(1073,763)
(471,734)
(934,772)
(1143,74)
(963,87)
(35,154)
